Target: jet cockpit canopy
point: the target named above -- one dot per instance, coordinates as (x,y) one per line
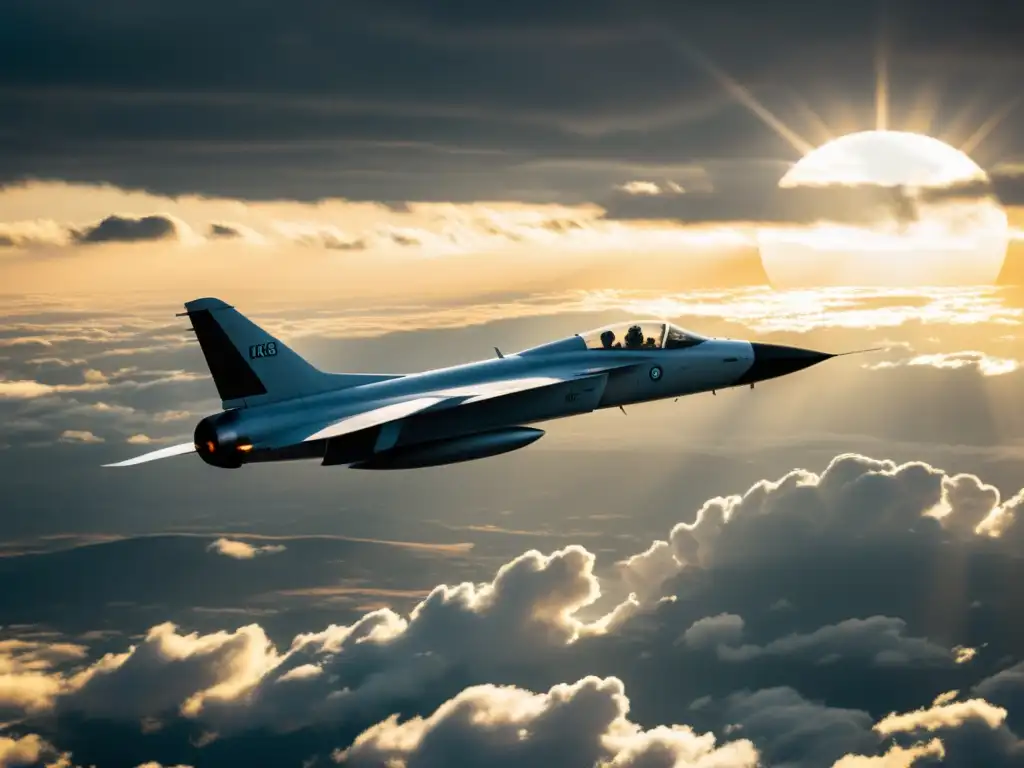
(642,335)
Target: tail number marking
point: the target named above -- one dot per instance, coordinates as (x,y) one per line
(267,349)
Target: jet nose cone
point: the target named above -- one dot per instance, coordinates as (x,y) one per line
(773,360)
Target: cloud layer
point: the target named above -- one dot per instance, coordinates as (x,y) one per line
(510,670)
(372,99)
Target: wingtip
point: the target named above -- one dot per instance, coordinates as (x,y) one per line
(161,453)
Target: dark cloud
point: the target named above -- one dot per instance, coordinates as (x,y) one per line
(1008,188)
(127,229)
(792,730)
(404,240)
(224,231)
(760,199)
(372,100)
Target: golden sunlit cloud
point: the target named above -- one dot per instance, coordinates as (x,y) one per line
(651,188)
(759,309)
(987,365)
(194,245)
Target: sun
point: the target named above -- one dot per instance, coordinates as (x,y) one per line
(952,241)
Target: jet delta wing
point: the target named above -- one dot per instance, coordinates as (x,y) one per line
(278,407)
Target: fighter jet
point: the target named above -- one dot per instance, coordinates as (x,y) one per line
(279,407)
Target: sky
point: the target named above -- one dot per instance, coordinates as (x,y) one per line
(819,572)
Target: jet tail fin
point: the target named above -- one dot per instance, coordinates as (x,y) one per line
(249,366)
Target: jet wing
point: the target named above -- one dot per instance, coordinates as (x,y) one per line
(440,399)
(373,418)
(162,453)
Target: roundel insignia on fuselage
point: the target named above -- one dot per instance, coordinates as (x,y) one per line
(656,372)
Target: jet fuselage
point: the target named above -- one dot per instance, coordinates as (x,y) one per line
(278,407)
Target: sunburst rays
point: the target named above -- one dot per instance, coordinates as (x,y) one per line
(743,95)
(882,72)
(922,112)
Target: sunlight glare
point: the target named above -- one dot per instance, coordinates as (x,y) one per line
(961,240)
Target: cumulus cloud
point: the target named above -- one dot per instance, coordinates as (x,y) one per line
(725,628)
(29,673)
(239,679)
(579,725)
(789,729)
(240,550)
(942,716)
(79,436)
(169,671)
(129,229)
(854,496)
(29,750)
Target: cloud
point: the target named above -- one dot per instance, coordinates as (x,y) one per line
(583,724)
(27,234)
(880,639)
(708,632)
(224,230)
(79,436)
(111,229)
(329,238)
(854,495)
(942,716)
(896,550)
(375,101)
(30,673)
(1006,184)
(235,680)
(28,750)
(169,671)
(127,379)
(240,550)
(987,365)
(758,199)
(32,751)
(127,229)
(651,188)
(233,231)
(791,730)
(896,757)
